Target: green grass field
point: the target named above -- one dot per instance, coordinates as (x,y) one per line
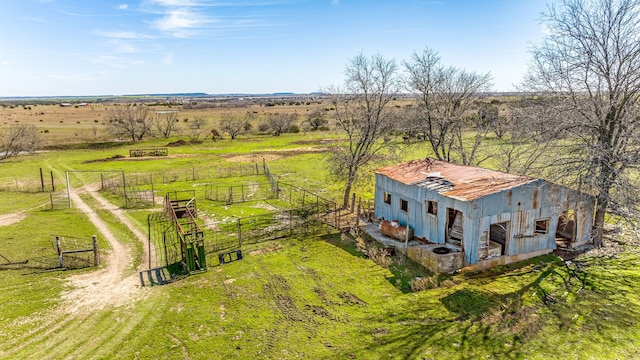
(311,297)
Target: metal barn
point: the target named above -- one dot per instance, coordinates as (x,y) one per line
(481,217)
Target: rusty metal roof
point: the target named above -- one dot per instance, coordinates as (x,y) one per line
(451,180)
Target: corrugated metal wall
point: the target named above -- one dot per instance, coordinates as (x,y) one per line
(520,207)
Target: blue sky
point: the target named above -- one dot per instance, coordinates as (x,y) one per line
(85,47)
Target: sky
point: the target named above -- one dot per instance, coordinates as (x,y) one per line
(89,47)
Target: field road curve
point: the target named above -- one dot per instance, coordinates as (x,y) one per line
(111,285)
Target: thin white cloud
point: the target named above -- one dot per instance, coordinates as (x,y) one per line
(179,19)
(335,2)
(3,62)
(125,47)
(194,18)
(122,34)
(122,7)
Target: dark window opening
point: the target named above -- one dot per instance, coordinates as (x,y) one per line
(432,208)
(542,227)
(387,198)
(404,205)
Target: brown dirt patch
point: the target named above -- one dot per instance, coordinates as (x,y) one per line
(265,250)
(271,155)
(8,219)
(137,158)
(178,143)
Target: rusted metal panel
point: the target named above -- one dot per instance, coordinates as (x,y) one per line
(468,182)
(398,232)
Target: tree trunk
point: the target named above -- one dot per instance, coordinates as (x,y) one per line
(598,223)
(347,192)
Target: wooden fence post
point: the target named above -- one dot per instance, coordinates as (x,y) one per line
(290,222)
(53,184)
(41,180)
(96,255)
(59,251)
(239,233)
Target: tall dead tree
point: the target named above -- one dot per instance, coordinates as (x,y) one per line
(165,123)
(590,62)
(363,113)
(445,106)
(277,123)
(234,125)
(130,120)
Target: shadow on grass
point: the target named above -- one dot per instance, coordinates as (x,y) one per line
(404,270)
(467,323)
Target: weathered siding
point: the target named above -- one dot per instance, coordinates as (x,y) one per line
(429,227)
(520,206)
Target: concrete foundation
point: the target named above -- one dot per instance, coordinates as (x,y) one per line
(503,260)
(438,263)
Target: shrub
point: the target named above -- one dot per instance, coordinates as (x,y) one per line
(294,129)
(379,256)
(425,283)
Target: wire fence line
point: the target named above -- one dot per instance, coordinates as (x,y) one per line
(61,252)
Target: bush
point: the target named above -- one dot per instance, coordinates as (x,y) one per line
(294,129)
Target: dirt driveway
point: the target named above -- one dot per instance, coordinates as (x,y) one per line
(118,282)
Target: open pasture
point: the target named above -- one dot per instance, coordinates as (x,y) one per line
(302,296)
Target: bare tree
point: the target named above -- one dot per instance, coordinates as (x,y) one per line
(362,111)
(165,123)
(197,127)
(590,62)
(277,124)
(234,125)
(446,98)
(18,139)
(130,120)
(526,143)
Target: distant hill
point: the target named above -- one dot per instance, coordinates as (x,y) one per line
(199,94)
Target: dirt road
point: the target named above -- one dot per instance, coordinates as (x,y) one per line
(117,283)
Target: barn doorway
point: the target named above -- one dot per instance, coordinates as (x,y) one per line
(498,234)
(455,234)
(566,231)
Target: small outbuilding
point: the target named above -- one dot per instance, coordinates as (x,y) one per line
(476,218)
